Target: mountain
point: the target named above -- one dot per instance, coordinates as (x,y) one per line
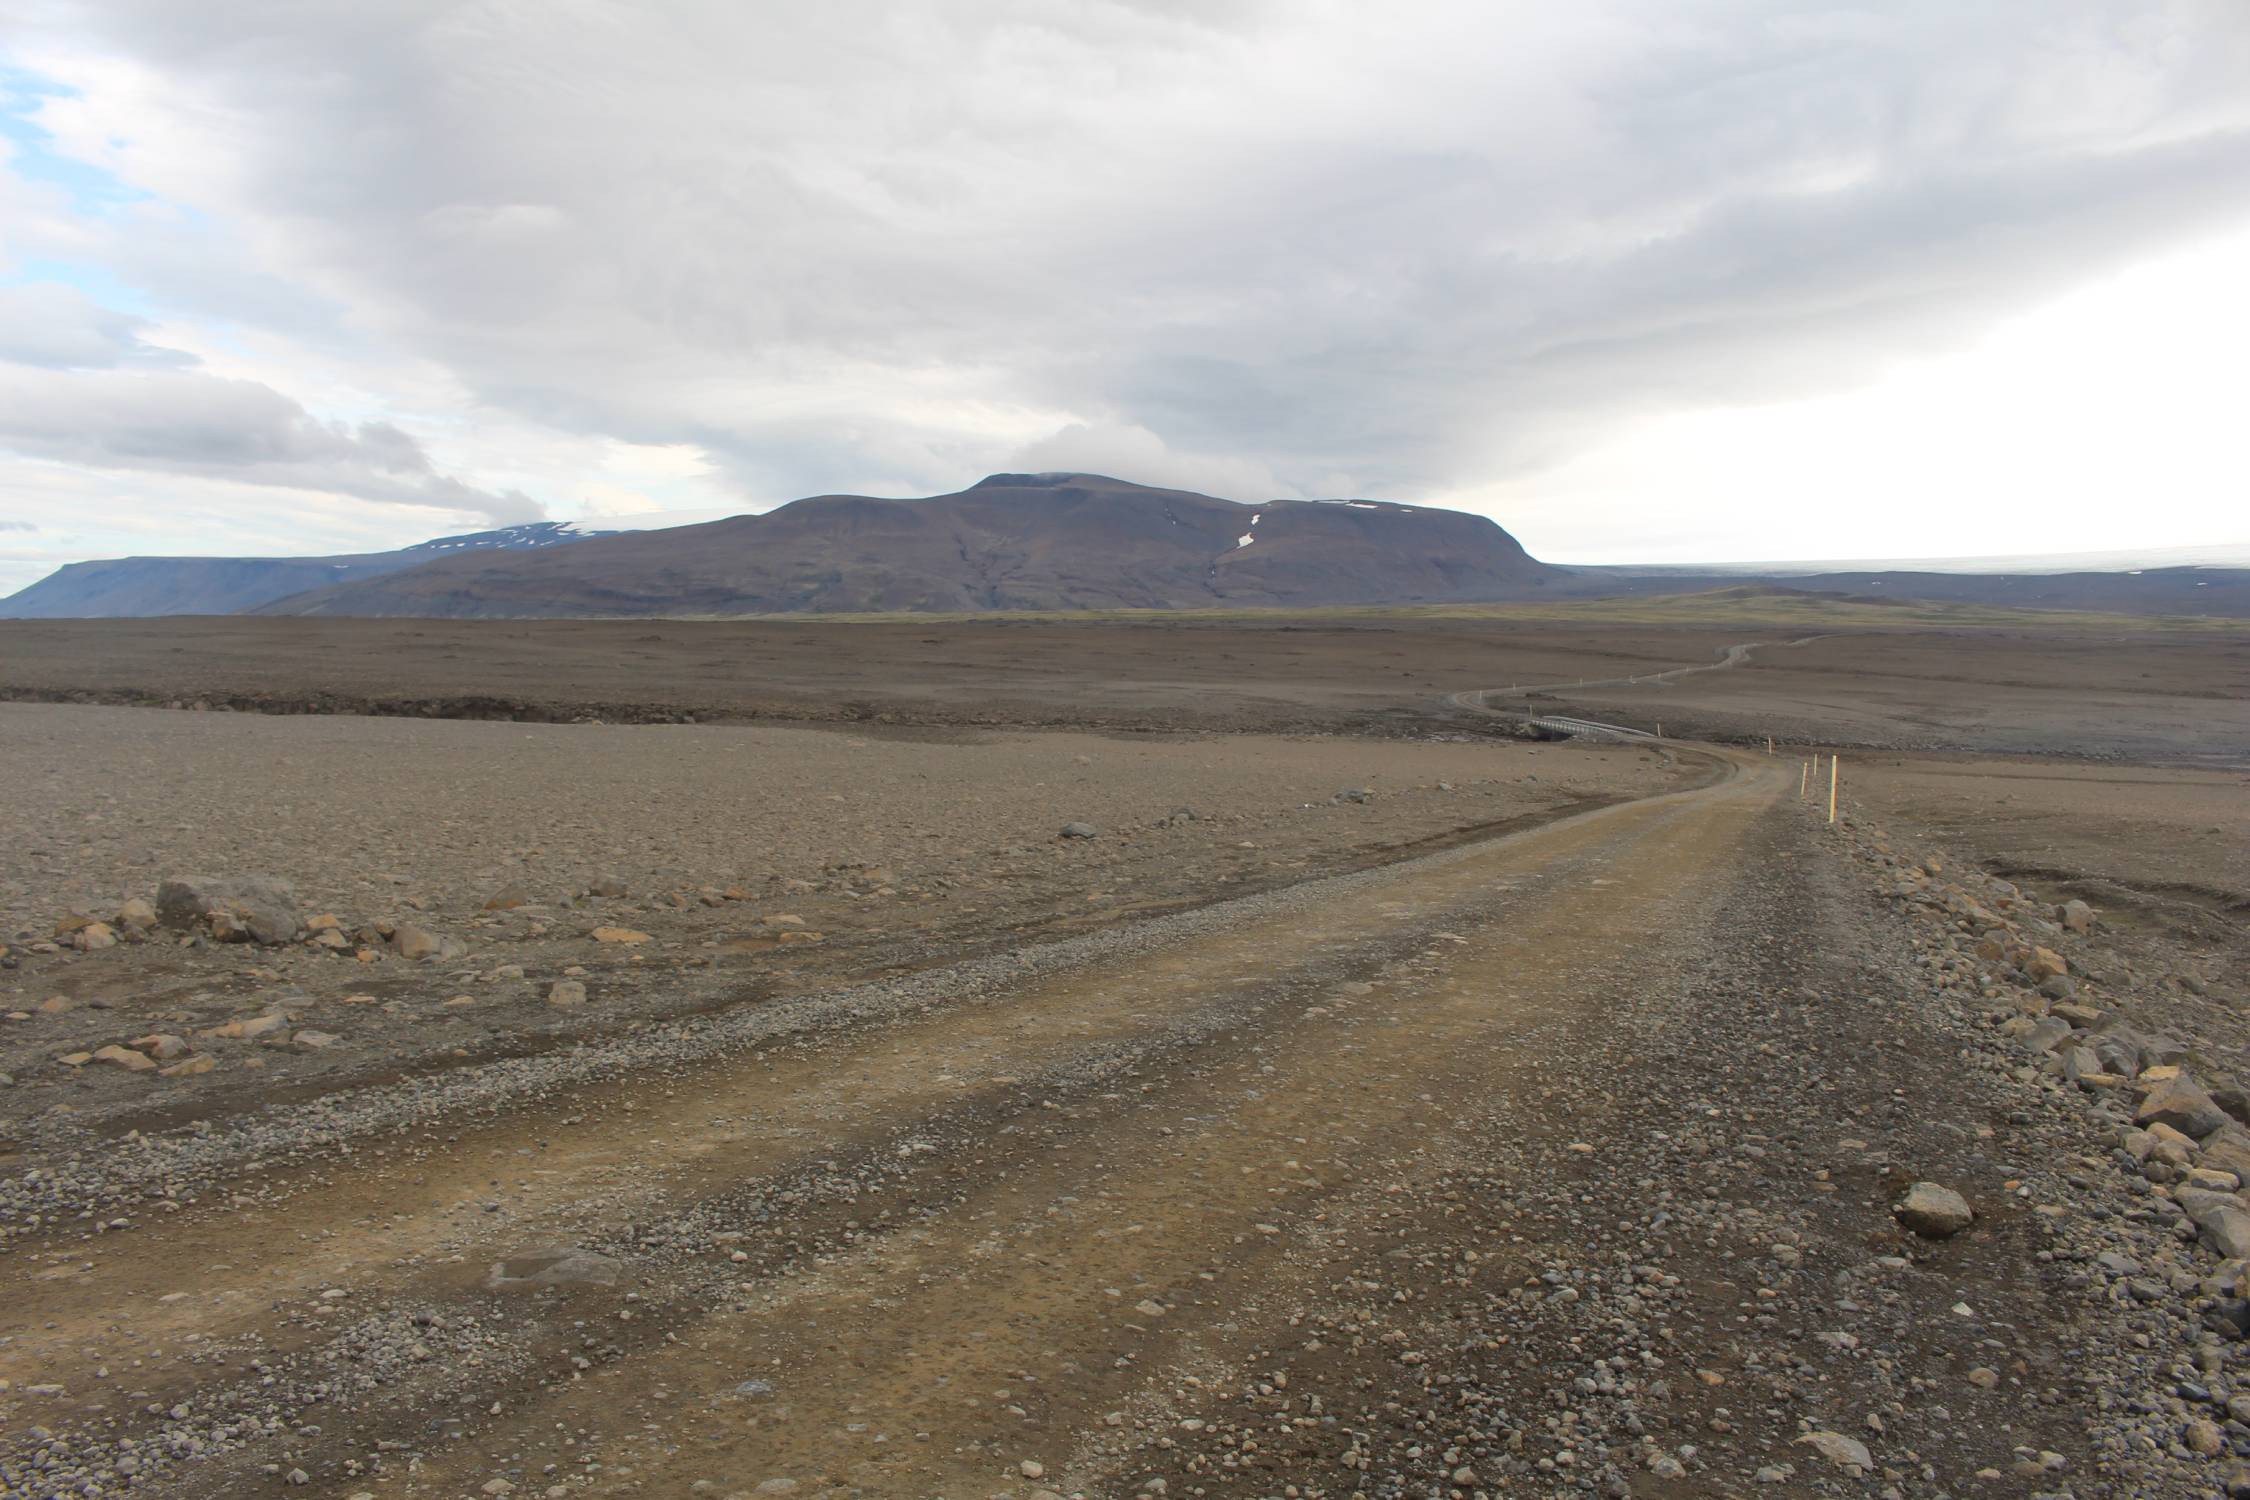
(233,585)
(1012,541)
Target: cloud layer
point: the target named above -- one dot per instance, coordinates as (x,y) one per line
(1291,247)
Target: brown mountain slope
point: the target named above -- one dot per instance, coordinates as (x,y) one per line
(1013,541)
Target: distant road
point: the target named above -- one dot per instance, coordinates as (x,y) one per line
(1478,699)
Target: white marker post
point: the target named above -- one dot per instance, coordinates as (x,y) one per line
(1831,788)
(1804,778)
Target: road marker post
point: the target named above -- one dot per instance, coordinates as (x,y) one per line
(1831,788)
(1804,775)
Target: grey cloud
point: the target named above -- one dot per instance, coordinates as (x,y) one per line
(60,328)
(867,244)
(17,526)
(194,424)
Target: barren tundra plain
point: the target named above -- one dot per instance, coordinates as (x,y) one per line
(1209,1057)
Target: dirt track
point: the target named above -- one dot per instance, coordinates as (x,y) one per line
(1464,1172)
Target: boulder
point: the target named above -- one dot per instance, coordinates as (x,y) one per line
(618,935)
(93,937)
(2044,964)
(1079,831)
(2047,1034)
(606,885)
(2219,1218)
(1933,1211)
(124,1057)
(2075,916)
(508,900)
(163,1046)
(2231,1096)
(2181,1103)
(410,941)
(256,908)
(2228,1150)
(566,993)
(136,917)
(1845,1452)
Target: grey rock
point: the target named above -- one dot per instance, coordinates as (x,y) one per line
(2119,1051)
(1079,831)
(2046,1034)
(1934,1211)
(2231,1096)
(2182,1104)
(2219,1218)
(263,907)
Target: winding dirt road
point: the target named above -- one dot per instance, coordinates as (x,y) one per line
(1480,699)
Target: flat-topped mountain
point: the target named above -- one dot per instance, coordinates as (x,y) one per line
(132,586)
(1009,542)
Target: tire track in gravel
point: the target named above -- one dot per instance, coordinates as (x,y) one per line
(414,1229)
(924,1360)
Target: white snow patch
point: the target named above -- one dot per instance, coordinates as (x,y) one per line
(1245,540)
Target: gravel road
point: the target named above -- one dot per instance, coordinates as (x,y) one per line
(1561,1162)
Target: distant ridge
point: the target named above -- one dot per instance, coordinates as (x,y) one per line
(1009,542)
(138,586)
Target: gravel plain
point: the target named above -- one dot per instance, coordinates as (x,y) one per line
(1340,1117)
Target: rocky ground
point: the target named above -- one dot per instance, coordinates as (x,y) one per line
(1690,1145)
(1684,1145)
(463,890)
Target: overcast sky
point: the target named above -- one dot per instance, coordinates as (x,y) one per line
(1642,279)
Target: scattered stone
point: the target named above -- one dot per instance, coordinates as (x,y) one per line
(1079,831)
(564,993)
(126,1058)
(618,935)
(1933,1211)
(1849,1452)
